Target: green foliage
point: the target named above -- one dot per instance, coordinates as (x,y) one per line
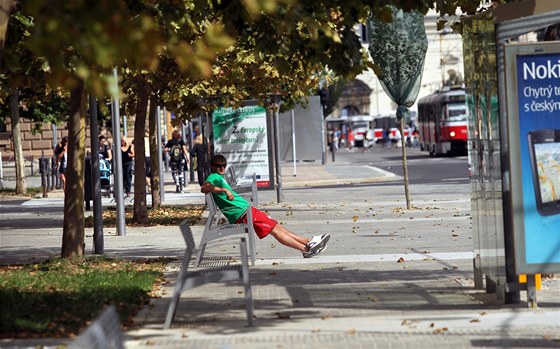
(335,89)
(22,71)
(59,297)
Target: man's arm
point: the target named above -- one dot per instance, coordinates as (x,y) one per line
(208,187)
(186,152)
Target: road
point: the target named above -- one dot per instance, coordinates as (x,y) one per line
(422,169)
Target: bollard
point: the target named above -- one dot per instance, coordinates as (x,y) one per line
(43,168)
(53,173)
(49,174)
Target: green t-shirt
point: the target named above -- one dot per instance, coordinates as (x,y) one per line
(232,209)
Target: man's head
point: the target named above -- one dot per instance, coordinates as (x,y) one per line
(218,164)
(176,134)
(102,140)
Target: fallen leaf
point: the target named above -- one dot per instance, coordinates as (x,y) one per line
(351,331)
(475,320)
(440,330)
(401,260)
(326,317)
(355,218)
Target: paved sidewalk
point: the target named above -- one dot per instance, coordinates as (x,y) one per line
(390,278)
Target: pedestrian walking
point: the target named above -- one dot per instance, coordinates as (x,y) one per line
(333,144)
(62,157)
(350,139)
(198,155)
(127,161)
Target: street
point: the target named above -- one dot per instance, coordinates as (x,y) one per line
(422,168)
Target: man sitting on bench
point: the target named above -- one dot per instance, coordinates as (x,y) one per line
(234,207)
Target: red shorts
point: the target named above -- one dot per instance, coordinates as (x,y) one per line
(262,222)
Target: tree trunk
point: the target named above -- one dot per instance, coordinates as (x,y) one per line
(21,187)
(7,7)
(140,212)
(73,230)
(405,166)
(154,163)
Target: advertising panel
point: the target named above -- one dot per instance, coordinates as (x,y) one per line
(241,136)
(533,94)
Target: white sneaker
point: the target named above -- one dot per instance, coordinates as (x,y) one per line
(317,245)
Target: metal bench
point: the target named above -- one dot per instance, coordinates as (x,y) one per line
(103,333)
(248,190)
(188,279)
(213,230)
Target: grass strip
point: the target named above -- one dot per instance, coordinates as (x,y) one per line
(59,297)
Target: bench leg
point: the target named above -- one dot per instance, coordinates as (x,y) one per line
(199,255)
(175,298)
(247,283)
(252,246)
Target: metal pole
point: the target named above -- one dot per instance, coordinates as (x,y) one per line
(187,142)
(189,129)
(166,137)
(55,135)
(125,129)
(203,130)
(98,244)
(117,163)
(294,142)
(160,159)
(277,152)
(43,169)
(54,173)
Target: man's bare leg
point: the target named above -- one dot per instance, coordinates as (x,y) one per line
(288,238)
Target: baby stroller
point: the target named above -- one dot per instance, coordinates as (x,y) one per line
(105,177)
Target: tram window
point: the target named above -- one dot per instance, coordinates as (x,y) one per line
(457,112)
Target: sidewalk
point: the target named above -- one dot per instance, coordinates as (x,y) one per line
(390,278)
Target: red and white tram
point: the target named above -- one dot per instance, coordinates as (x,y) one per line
(442,122)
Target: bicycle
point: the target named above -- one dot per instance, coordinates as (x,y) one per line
(178,175)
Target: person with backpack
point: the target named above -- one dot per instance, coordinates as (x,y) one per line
(178,158)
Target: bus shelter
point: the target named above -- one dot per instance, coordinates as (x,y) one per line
(511,251)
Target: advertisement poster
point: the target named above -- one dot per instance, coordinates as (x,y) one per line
(241,136)
(537,76)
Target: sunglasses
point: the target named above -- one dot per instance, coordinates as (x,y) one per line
(219,165)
